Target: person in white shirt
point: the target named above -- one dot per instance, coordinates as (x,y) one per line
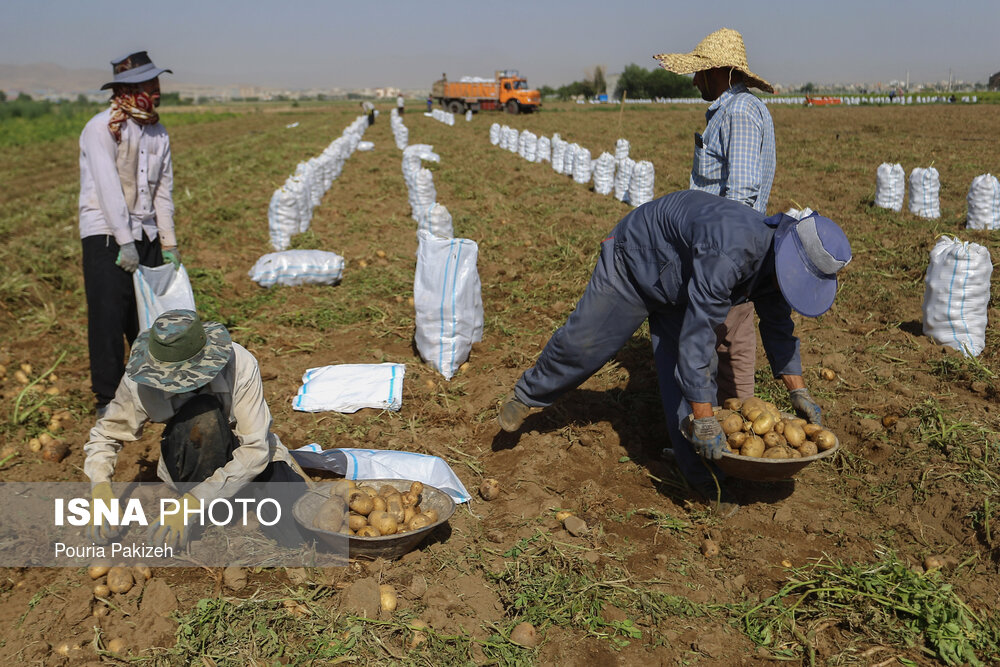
(126,212)
(208,391)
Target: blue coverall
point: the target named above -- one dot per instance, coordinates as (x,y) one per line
(682,261)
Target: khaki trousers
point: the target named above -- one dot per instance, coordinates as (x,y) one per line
(736,345)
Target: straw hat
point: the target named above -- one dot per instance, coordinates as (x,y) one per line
(723,48)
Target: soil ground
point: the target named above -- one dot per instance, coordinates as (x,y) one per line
(636,589)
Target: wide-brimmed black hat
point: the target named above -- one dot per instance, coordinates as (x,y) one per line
(133,68)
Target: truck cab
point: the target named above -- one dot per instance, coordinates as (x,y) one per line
(515,96)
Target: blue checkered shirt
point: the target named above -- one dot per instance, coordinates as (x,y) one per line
(735,156)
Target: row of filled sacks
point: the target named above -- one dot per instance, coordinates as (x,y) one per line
(400,133)
(445,117)
(983,199)
(419,180)
(290,209)
(610,173)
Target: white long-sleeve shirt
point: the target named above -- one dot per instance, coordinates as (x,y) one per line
(103,208)
(238,387)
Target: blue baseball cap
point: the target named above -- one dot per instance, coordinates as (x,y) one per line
(808,253)
(134,68)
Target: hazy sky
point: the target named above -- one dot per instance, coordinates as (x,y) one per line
(409,43)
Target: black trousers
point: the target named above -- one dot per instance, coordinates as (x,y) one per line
(111,309)
(400,110)
(197,441)
(371,118)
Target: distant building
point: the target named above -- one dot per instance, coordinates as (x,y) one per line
(994,82)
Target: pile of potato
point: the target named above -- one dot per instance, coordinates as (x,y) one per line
(363,510)
(754,427)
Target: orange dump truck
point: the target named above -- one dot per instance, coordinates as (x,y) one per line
(508,91)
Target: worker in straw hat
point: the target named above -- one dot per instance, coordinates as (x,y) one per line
(208,391)
(682,261)
(126,212)
(733,158)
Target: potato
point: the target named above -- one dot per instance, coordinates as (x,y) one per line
(772,439)
(489,489)
(732,424)
(35,445)
(387,598)
(524,634)
(342,488)
(419,638)
(416,488)
(828,374)
(356,522)
(811,430)
(97,571)
(732,404)
(562,515)
(795,454)
(55,451)
(824,440)
(780,452)
(45,439)
(752,402)
(409,513)
(120,580)
(101,591)
(116,645)
(798,421)
(418,522)
(779,427)
(431,514)
(142,572)
(370,490)
(21,377)
(394,508)
(753,446)
(737,440)
(331,514)
(794,434)
(388,490)
(378,503)
(384,523)
(361,502)
(751,413)
(409,499)
(368,531)
(808,448)
(763,423)
(26,368)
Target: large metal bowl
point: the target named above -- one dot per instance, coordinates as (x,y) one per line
(388,546)
(764,470)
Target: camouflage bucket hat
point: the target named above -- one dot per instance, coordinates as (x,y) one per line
(178,353)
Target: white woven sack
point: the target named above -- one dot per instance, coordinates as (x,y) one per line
(437,221)
(350,387)
(159,289)
(495,133)
(640,189)
(530,146)
(522,144)
(569,158)
(984,203)
(623,178)
(513,139)
(558,154)
(621,149)
(298,267)
(956,295)
(925,186)
(282,218)
(402,136)
(543,150)
(424,193)
(604,174)
(889,186)
(447,297)
(582,165)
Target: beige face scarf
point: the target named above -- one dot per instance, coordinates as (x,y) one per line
(138,107)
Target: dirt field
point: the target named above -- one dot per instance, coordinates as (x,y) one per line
(828,569)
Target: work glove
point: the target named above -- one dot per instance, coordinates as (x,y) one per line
(172,255)
(805,406)
(170,529)
(128,257)
(707,437)
(105,532)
